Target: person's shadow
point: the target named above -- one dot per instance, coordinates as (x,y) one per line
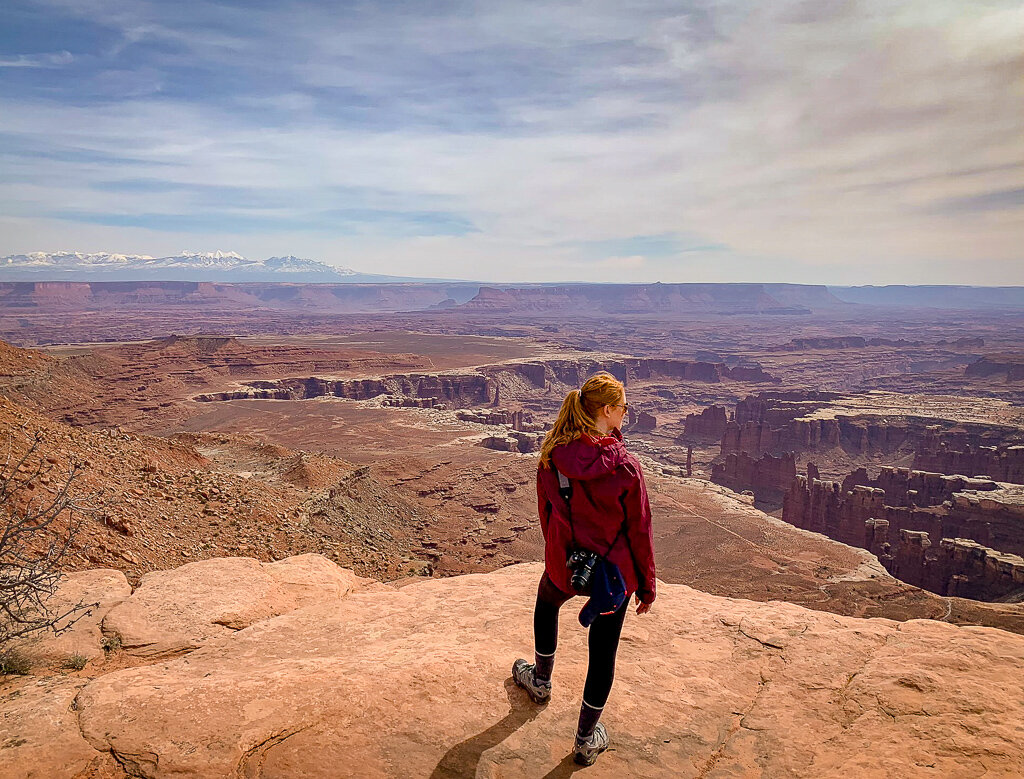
(463,759)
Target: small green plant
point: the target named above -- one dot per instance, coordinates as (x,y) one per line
(111,643)
(75,662)
(14,662)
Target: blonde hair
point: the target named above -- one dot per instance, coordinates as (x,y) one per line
(577,416)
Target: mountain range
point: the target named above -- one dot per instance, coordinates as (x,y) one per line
(186,266)
(231,267)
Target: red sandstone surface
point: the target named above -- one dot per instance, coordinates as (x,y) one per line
(302,669)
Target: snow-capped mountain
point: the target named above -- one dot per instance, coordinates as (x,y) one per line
(186,266)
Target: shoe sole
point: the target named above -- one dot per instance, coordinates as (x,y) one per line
(589,758)
(582,759)
(534,698)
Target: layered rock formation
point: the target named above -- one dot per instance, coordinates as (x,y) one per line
(858,436)
(459,389)
(514,441)
(778,421)
(1001,463)
(415,682)
(335,298)
(779,408)
(1010,365)
(769,477)
(573,372)
(487,383)
(860,342)
(708,425)
(920,512)
(642,421)
(959,567)
(593,299)
(859,424)
(517,420)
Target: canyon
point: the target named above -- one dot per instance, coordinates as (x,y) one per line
(813,464)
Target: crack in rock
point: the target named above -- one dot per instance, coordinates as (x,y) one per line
(143,764)
(762,685)
(767,644)
(251,762)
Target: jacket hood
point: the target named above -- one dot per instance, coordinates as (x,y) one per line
(590,458)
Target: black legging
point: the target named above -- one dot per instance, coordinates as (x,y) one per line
(603,640)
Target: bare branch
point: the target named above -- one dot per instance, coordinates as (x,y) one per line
(39,523)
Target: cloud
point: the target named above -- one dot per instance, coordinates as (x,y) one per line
(338,222)
(662,246)
(999,200)
(813,141)
(624,263)
(52,60)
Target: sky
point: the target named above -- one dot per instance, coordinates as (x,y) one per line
(809,141)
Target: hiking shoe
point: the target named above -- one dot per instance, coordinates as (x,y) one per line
(587,751)
(522,674)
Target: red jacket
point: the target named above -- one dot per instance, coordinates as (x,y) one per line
(608,489)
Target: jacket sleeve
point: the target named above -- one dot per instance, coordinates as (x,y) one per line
(641,542)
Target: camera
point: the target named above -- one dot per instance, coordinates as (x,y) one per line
(581,562)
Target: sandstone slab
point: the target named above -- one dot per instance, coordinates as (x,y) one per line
(99,590)
(39,736)
(415,682)
(179,610)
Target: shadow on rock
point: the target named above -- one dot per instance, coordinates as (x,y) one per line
(463,758)
(567,767)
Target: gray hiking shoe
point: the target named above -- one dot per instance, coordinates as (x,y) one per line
(522,674)
(587,751)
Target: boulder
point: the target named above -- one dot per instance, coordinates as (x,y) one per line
(179,610)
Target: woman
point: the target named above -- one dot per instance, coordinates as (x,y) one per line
(608,514)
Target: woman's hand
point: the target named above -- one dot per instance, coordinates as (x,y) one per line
(642,608)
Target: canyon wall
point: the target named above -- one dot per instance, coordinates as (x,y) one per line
(642,421)
(801,421)
(708,425)
(958,567)
(489,384)
(686,370)
(574,372)
(1010,365)
(769,477)
(324,298)
(595,299)
(855,435)
(920,512)
(860,342)
(459,389)
(780,408)
(1002,463)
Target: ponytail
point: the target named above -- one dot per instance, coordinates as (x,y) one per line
(576,417)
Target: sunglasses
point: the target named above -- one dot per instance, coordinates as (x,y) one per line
(623,406)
